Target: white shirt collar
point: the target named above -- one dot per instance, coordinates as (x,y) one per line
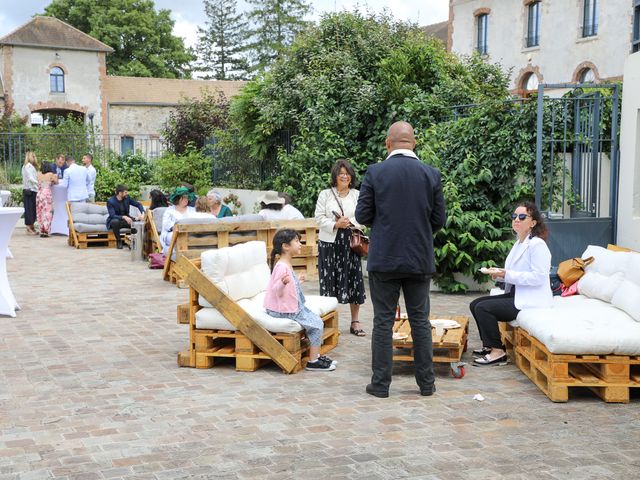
(402,151)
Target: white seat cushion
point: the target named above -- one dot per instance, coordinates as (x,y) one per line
(578,325)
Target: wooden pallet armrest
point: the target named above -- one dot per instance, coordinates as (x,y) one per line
(237,316)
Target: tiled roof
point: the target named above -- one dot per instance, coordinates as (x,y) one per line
(50,32)
(166,91)
(437,30)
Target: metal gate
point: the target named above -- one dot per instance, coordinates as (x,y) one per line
(577,166)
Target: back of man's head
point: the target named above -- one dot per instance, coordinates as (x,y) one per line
(400,136)
(70,160)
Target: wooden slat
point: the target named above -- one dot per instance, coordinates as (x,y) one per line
(237,317)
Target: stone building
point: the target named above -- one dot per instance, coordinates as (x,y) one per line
(50,67)
(548,41)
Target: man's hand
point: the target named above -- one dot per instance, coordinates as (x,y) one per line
(139,217)
(302,277)
(127,219)
(286,278)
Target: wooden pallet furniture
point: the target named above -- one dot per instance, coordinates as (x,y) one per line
(609,376)
(448,346)
(152,236)
(250,346)
(98,238)
(190,240)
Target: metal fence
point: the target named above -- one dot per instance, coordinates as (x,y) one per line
(14,146)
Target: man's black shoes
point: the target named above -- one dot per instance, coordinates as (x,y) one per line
(376,393)
(119,244)
(428,391)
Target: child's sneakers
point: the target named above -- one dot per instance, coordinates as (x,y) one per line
(322,364)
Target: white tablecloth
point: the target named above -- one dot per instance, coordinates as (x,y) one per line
(5,195)
(59,220)
(8,218)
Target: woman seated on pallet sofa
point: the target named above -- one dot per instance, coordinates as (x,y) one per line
(526,277)
(178,210)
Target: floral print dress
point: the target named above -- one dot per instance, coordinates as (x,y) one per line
(44,206)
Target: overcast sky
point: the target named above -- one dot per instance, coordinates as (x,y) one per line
(188,14)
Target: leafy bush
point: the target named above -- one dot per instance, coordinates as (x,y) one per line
(130,169)
(191,167)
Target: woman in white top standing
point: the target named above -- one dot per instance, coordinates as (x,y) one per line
(526,277)
(340,269)
(30,190)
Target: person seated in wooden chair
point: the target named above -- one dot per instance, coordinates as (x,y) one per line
(119,206)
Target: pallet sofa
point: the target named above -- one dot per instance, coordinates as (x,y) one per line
(88,225)
(153,227)
(192,236)
(588,340)
(227,319)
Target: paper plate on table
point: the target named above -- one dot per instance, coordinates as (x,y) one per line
(446,323)
(400,336)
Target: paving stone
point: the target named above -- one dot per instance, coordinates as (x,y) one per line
(90,388)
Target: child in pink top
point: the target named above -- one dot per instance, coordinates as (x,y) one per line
(284,298)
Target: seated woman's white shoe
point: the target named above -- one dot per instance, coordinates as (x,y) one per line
(487,360)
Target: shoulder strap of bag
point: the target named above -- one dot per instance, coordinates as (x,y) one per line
(337,200)
(588,261)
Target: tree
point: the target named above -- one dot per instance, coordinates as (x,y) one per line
(221,43)
(141,36)
(276,22)
(194,121)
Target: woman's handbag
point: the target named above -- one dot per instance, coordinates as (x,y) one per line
(570,271)
(156,261)
(359,242)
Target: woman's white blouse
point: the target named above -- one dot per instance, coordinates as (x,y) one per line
(327,204)
(169,219)
(527,266)
(29,178)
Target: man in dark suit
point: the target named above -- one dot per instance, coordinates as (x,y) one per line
(119,212)
(401,199)
(59,165)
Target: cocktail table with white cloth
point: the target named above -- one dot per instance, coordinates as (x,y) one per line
(5,195)
(8,218)
(59,221)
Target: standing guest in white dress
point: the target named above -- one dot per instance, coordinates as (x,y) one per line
(30,190)
(87,161)
(274,207)
(179,209)
(76,181)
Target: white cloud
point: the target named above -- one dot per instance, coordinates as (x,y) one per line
(185,29)
(423,13)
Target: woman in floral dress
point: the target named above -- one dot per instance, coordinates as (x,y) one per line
(44,199)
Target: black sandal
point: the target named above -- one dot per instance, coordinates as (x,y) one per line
(358,332)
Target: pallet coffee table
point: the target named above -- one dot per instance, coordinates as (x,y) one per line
(448,346)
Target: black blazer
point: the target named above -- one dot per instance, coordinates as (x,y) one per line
(402,200)
(113,207)
(53,168)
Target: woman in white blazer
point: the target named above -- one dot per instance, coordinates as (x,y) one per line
(526,277)
(340,269)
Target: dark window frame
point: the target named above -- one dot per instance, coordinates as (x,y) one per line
(533,25)
(56,80)
(590,18)
(482,29)
(635,44)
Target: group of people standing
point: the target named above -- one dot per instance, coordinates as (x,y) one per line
(37,183)
(401,199)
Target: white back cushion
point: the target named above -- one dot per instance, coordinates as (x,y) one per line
(602,287)
(240,271)
(627,299)
(633,268)
(607,262)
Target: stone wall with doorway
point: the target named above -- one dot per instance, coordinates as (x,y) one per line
(30,88)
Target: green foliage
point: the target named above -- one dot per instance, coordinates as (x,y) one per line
(222,43)
(130,169)
(195,121)
(276,22)
(141,36)
(16,196)
(191,167)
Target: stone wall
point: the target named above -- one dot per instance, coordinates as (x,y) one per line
(629,183)
(562,52)
(137,119)
(28,70)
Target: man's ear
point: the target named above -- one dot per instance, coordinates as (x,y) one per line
(387,143)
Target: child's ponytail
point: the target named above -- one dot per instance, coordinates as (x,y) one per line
(285,235)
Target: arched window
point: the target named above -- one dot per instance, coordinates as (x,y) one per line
(530,82)
(587,76)
(56,79)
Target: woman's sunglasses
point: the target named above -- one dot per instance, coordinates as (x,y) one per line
(520,216)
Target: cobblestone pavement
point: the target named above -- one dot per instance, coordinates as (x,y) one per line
(90,389)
